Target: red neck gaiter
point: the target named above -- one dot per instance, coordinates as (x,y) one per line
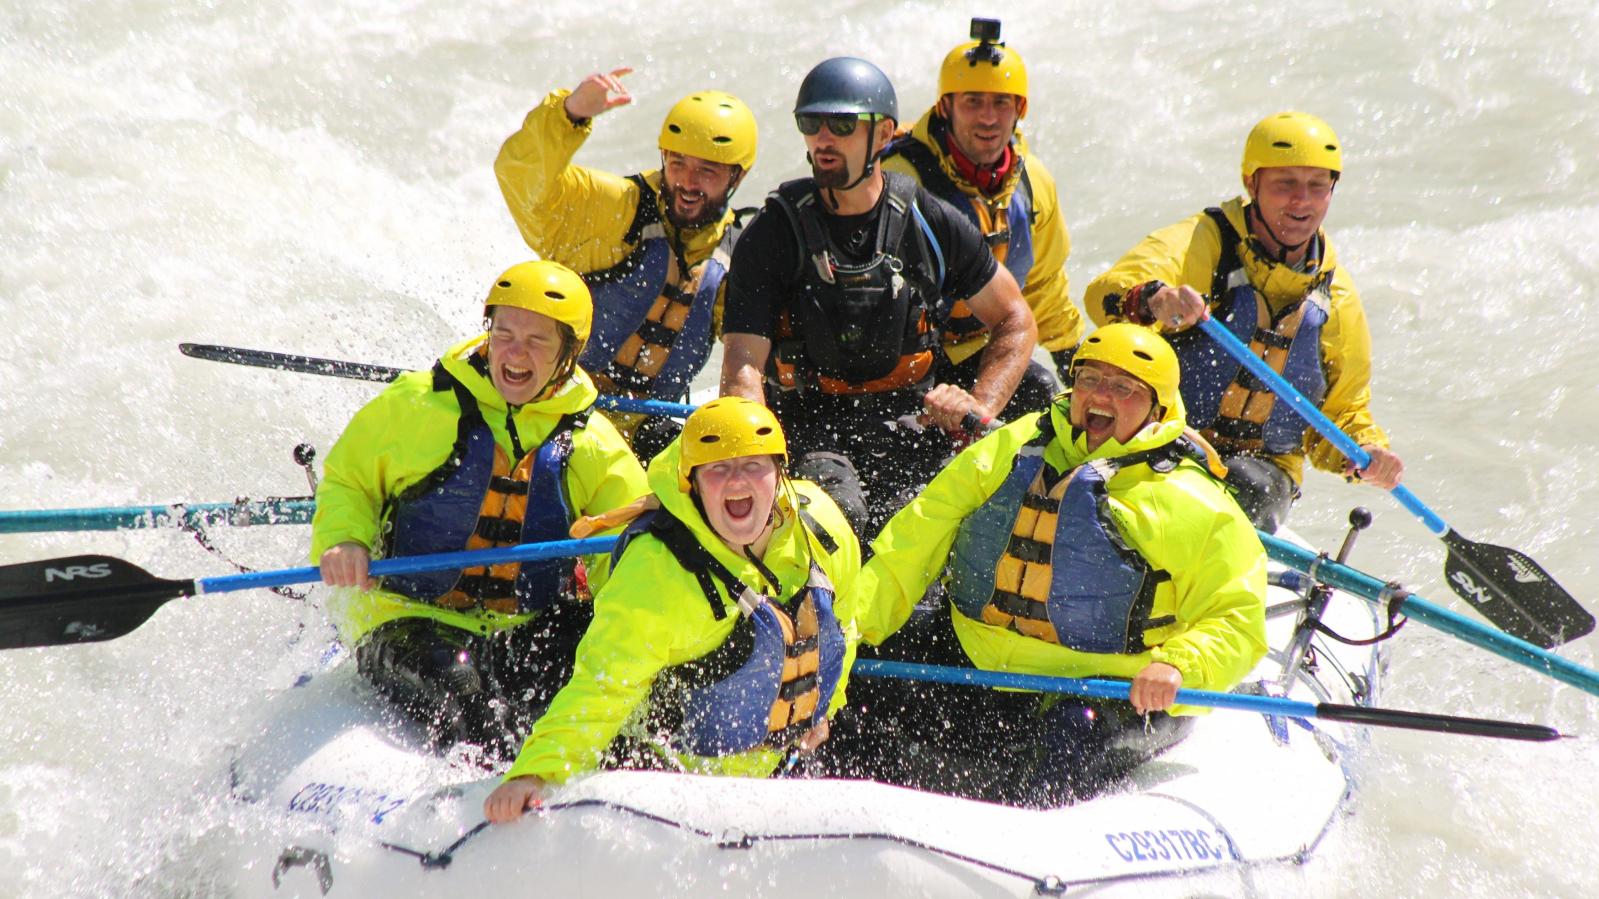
(986,178)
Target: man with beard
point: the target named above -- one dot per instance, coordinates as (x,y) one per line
(968,151)
(1268,272)
(652,247)
(837,296)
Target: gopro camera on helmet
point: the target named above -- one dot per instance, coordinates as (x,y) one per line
(986,33)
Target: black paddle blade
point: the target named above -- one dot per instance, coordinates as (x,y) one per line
(1514,593)
(308,365)
(1444,724)
(78,599)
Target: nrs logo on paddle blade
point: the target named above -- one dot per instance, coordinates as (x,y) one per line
(1477,594)
(72,572)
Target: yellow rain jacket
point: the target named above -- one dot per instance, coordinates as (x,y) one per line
(1045,288)
(1181,522)
(408,431)
(578,216)
(652,614)
(1188,253)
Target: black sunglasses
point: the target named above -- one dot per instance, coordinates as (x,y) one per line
(842,125)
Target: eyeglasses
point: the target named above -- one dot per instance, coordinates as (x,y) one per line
(1120,389)
(842,125)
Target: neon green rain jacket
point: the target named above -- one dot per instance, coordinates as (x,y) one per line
(578,216)
(1060,326)
(407,432)
(652,615)
(1181,522)
(1188,253)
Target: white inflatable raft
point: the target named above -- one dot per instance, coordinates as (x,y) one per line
(353,807)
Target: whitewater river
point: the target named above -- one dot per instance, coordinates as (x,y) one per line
(315,177)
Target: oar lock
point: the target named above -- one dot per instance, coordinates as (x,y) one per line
(1316,594)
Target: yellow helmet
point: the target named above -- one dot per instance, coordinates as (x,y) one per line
(548,288)
(984,67)
(711,125)
(728,427)
(1292,138)
(1141,353)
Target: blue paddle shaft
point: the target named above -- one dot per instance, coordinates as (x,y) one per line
(526,552)
(1315,418)
(1098,689)
(645,407)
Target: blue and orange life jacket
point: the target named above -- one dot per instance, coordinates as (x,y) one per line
(653,311)
(773,677)
(1042,557)
(1227,404)
(479,499)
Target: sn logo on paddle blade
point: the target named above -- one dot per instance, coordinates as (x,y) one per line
(72,572)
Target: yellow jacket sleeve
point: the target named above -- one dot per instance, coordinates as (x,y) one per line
(603,474)
(911,551)
(1346,358)
(650,615)
(376,458)
(843,567)
(573,215)
(1048,291)
(1183,524)
(1184,253)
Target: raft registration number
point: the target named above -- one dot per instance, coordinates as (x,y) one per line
(1167,845)
(317,798)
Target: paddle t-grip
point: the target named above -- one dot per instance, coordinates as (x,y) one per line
(304,455)
(1359,520)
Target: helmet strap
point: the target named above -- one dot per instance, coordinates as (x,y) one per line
(565,365)
(1253,212)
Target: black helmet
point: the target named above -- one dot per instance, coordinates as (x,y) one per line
(845,84)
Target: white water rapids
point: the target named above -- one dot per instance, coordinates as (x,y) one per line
(315,176)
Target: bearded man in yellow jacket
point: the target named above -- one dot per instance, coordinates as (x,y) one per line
(1088,540)
(497,445)
(724,637)
(652,246)
(968,151)
(1263,267)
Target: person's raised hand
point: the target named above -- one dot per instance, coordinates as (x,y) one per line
(598,93)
